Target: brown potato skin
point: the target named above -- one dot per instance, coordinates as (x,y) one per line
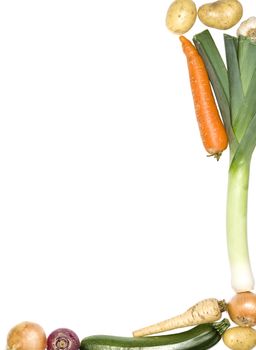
(240,338)
(222,14)
(181,16)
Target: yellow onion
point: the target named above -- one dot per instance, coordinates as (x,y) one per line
(242,309)
(26,336)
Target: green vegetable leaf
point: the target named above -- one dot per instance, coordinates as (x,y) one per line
(235,83)
(206,45)
(247,110)
(246,146)
(219,79)
(247,61)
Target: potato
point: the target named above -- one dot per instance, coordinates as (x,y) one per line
(222,14)
(181,16)
(240,338)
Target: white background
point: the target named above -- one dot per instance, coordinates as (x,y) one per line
(111,215)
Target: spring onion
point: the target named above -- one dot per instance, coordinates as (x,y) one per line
(234,85)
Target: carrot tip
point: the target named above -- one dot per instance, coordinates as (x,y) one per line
(182,39)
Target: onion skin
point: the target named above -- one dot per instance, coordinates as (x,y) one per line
(242,309)
(26,336)
(63,339)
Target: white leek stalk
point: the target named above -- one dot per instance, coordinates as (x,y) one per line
(241,273)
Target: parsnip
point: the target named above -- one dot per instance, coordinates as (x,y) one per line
(205,311)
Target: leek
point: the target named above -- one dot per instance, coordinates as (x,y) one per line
(234,85)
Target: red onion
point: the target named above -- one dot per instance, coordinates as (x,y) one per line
(63,339)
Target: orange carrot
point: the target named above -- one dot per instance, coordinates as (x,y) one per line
(212,130)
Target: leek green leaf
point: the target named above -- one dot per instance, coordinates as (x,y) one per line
(247,60)
(235,83)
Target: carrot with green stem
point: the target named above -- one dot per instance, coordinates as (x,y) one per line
(212,130)
(205,311)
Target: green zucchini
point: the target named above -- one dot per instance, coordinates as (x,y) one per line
(200,337)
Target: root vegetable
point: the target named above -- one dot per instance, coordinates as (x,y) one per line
(63,339)
(242,309)
(222,14)
(212,130)
(26,336)
(205,311)
(240,338)
(181,16)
